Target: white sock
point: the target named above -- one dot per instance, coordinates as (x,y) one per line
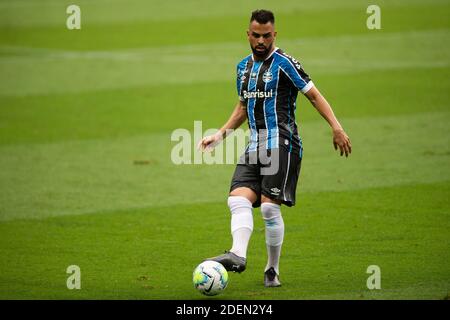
(241,224)
(274,234)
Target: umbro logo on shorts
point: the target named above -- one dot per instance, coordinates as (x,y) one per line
(275,191)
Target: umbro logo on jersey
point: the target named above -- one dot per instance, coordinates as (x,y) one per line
(241,75)
(257,94)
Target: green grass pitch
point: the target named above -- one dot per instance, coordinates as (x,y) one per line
(86,178)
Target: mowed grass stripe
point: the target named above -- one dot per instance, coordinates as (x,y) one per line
(75,177)
(71,71)
(23,13)
(331,238)
(186,30)
(148,110)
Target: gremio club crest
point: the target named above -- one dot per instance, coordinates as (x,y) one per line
(267,76)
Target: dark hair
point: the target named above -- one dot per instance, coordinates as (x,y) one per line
(263,16)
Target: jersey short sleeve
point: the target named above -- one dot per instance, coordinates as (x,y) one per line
(239,75)
(241,70)
(294,70)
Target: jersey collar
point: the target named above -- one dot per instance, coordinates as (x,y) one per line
(269,56)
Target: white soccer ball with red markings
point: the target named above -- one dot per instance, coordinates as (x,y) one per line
(210,278)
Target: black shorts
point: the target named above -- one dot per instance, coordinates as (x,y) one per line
(274,175)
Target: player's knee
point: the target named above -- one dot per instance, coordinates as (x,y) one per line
(244,192)
(238,204)
(270,211)
(241,213)
(273,221)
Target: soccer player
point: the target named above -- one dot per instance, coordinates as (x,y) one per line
(268,81)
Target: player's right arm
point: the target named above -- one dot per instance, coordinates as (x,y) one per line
(237,117)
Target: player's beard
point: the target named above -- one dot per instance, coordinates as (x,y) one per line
(263,53)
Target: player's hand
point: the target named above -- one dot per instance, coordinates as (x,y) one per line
(341,140)
(208,143)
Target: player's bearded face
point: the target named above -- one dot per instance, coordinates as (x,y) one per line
(261,51)
(261,38)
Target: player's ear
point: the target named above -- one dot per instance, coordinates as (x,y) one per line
(248,33)
(274,34)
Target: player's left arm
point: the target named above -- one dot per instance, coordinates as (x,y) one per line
(340,138)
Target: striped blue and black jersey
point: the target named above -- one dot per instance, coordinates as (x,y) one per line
(269,90)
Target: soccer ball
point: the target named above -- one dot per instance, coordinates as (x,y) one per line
(210,278)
